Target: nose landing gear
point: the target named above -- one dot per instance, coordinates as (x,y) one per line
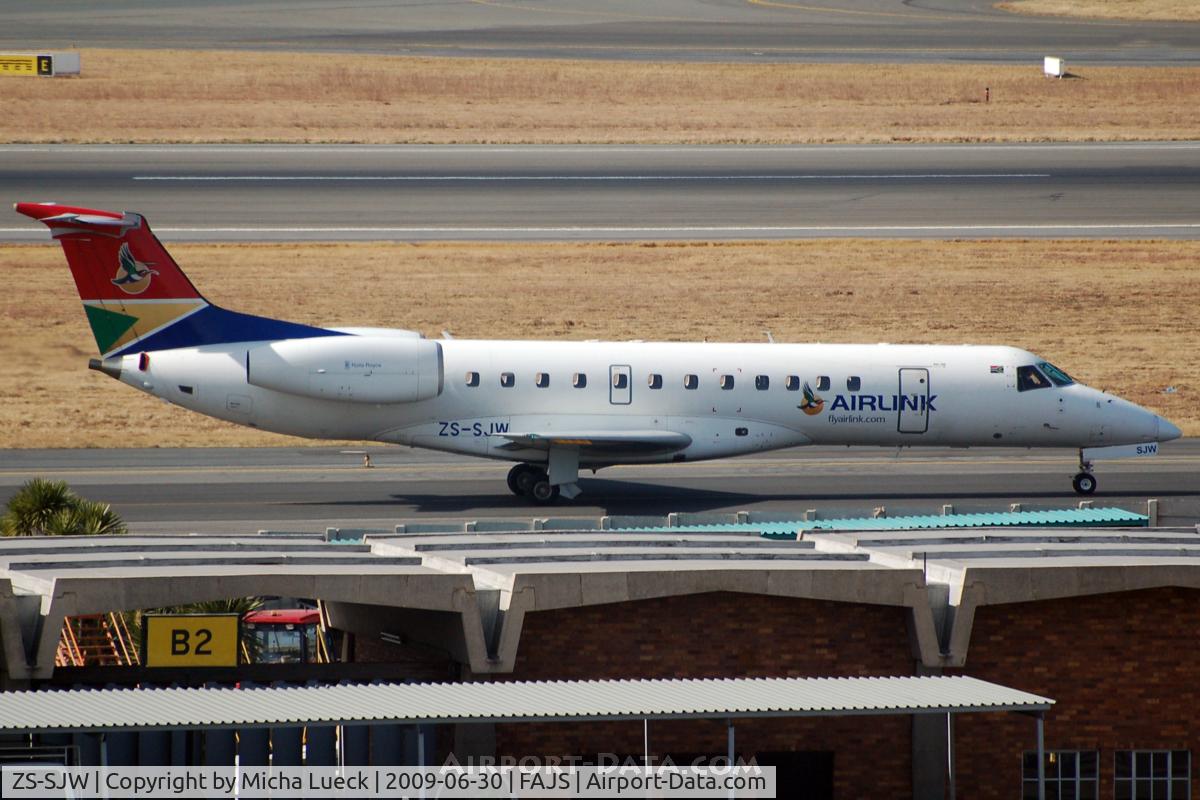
(1084,482)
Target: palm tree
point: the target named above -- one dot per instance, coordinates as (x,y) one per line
(49,508)
(86,518)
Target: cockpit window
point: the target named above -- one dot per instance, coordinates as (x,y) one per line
(1055,374)
(1029,378)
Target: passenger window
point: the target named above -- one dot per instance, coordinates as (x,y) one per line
(620,380)
(472,379)
(691,381)
(655,381)
(1029,378)
(726,382)
(762,382)
(542,380)
(508,380)
(792,384)
(822,383)
(579,380)
(853,383)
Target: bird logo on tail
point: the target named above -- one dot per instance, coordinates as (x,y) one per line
(133,276)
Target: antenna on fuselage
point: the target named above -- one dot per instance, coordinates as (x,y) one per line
(770,338)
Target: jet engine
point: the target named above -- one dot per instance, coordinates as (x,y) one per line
(359,369)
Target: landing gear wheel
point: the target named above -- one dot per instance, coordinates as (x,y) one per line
(521,479)
(542,492)
(1084,483)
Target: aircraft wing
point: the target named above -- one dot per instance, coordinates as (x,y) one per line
(640,442)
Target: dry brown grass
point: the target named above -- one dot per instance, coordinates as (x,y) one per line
(165,96)
(1188,10)
(1113,313)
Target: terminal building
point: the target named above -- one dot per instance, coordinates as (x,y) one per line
(1092,625)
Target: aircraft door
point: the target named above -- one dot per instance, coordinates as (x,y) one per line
(913,400)
(620,384)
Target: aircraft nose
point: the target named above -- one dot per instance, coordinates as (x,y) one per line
(1167,431)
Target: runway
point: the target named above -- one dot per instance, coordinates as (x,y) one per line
(470,192)
(675,30)
(235,490)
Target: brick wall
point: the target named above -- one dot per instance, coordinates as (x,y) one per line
(724,635)
(1123,668)
(412,663)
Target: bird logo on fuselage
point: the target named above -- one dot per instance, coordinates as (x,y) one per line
(133,276)
(812,404)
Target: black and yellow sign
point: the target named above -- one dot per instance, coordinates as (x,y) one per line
(31,65)
(190,640)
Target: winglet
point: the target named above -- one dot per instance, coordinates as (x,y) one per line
(45,212)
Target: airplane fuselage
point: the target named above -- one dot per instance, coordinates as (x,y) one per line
(727,399)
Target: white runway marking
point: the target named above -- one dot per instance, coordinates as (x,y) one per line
(511,178)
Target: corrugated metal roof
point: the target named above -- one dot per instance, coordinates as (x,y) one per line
(1064,517)
(157,708)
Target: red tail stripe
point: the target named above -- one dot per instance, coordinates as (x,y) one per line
(41,211)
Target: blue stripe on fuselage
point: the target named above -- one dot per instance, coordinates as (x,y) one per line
(212,325)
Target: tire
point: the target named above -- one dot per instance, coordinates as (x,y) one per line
(543,493)
(522,477)
(514,478)
(1084,483)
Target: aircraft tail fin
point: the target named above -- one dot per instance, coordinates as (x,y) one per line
(134,294)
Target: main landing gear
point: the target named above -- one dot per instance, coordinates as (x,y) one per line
(529,480)
(1084,482)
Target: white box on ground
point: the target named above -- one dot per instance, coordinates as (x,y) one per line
(66,64)
(1054,66)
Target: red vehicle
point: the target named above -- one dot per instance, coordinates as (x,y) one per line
(285,636)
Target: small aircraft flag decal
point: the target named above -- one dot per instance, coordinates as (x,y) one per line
(997,369)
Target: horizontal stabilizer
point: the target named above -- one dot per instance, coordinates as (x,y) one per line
(641,442)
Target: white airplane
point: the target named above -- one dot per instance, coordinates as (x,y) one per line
(557,407)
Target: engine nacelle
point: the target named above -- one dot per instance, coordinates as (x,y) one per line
(360,369)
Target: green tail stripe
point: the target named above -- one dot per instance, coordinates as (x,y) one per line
(107,326)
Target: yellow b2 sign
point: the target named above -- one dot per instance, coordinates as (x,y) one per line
(191,640)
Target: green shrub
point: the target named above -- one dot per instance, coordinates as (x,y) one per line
(49,508)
